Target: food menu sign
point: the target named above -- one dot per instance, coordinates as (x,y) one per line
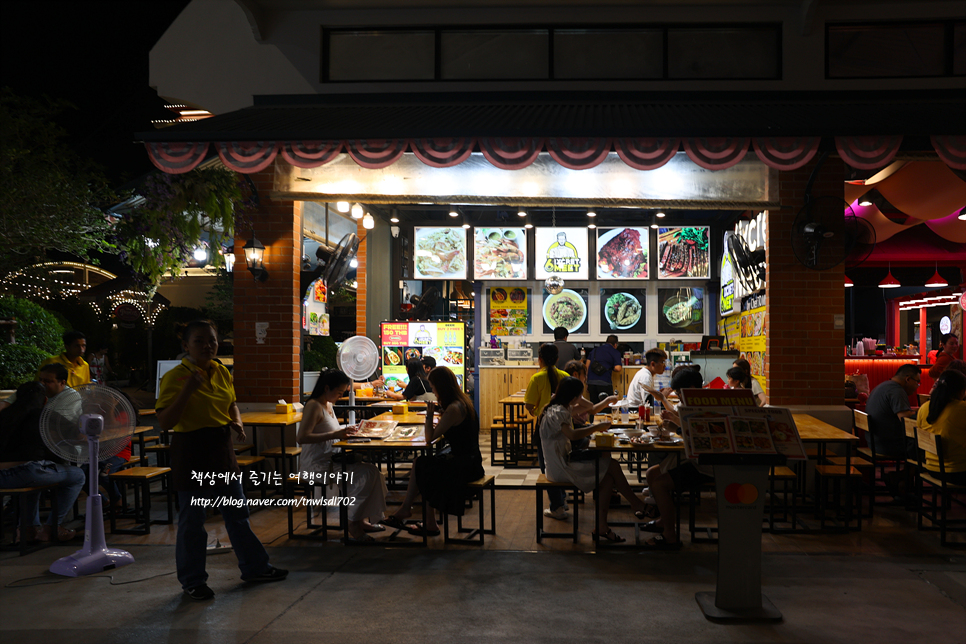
(754,335)
(684,252)
(561,251)
(623,310)
(622,253)
(568,309)
(439,254)
(509,310)
(681,310)
(500,254)
(402,341)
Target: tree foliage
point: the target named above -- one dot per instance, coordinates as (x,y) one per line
(48,194)
(178,211)
(38,336)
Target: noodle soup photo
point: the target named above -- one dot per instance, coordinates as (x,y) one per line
(568,309)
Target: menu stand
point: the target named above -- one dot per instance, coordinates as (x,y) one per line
(741,482)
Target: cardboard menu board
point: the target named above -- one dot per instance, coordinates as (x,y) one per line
(404,341)
(509,310)
(500,254)
(561,251)
(622,253)
(439,254)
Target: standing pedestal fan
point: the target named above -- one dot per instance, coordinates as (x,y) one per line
(83,425)
(358,358)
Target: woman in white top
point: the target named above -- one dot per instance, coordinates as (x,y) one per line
(317,432)
(756,389)
(556,431)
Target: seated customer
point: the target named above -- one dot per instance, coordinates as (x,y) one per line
(655,363)
(738,378)
(672,474)
(745,366)
(556,433)
(887,406)
(317,432)
(944,414)
(25,461)
(442,478)
(418,388)
(949,351)
(583,410)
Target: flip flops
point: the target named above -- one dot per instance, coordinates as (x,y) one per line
(652,526)
(394,522)
(660,543)
(420,530)
(610,536)
(650,513)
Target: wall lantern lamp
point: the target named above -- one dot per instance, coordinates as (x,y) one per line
(254,257)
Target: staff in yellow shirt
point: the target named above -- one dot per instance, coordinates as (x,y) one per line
(78,371)
(197,402)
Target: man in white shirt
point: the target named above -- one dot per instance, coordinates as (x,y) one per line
(655,363)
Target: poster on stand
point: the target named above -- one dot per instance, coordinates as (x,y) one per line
(684,252)
(681,310)
(403,341)
(622,253)
(500,254)
(439,254)
(561,251)
(623,309)
(568,309)
(509,310)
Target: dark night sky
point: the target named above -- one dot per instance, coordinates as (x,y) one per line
(93,53)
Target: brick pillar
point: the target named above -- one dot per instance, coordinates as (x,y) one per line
(361,278)
(264,373)
(803,363)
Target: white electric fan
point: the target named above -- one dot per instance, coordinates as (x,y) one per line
(358,358)
(84,425)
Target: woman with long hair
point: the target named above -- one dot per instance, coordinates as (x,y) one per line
(442,478)
(539,390)
(556,427)
(196,403)
(944,414)
(317,433)
(755,387)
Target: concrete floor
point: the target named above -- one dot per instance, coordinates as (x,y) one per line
(336,594)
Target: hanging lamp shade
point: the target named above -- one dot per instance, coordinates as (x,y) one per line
(889,281)
(848,282)
(937,281)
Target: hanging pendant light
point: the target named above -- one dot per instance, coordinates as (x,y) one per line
(889,281)
(848,283)
(937,281)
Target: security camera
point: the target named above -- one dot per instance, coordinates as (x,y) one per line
(394,230)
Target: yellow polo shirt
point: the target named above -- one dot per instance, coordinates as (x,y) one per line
(78,372)
(207,407)
(538,390)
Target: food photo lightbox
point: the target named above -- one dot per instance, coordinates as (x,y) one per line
(404,341)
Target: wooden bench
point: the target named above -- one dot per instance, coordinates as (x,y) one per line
(140,478)
(25,512)
(478,488)
(288,456)
(160,452)
(542,484)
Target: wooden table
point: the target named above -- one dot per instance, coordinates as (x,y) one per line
(365,400)
(813,430)
(391,447)
(147,412)
(514,443)
(389,403)
(281,422)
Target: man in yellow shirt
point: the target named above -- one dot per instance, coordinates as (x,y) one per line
(78,371)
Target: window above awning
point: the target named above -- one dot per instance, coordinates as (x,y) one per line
(716,130)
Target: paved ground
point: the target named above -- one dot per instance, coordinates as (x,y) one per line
(335,594)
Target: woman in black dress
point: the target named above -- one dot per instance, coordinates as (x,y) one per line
(442,478)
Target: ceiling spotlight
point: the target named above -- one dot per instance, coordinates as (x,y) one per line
(866,200)
(521,213)
(660,214)
(528,224)
(591,213)
(591,225)
(466,223)
(342,206)
(454,213)
(962,215)
(368,222)
(654,222)
(357,211)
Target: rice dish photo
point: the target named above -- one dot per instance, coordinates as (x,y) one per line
(566,309)
(440,253)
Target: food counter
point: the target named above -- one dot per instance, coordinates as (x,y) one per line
(498,382)
(881,368)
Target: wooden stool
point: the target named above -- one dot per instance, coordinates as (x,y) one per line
(140,478)
(787,477)
(543,483)
(318,532)
(287,458)
(477,488)
(25,511)
(248,464)
(837,474)
(160,452)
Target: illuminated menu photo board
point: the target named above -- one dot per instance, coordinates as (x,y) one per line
(500,254)
(622,253)
(403,341)
(561,251)
(684,252)
(439,254)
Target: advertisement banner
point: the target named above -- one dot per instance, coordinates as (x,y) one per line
(561,251)
(754,335)
(727,301)
(403,341)
(509,310)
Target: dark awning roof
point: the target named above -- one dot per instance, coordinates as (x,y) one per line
(917,115)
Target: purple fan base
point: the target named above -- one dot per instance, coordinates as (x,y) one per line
(95,556)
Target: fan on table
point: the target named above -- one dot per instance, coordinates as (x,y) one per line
(84,425)
(358,358)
